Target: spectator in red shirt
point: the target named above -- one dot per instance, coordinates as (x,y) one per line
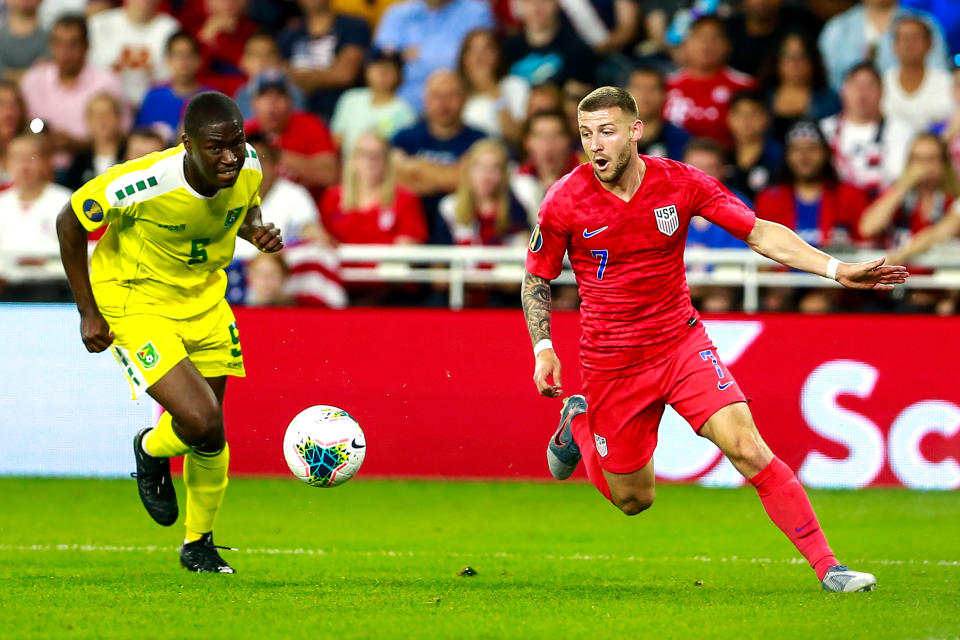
(307,152)
(222,28)
(698,95)
(368,207)
(920,198)
(483,211)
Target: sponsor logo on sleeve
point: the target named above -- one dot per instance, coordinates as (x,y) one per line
(536,239)
(93,210)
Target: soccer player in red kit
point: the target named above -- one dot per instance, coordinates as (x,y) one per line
(622,219)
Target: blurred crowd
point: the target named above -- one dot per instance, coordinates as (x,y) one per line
(444,122)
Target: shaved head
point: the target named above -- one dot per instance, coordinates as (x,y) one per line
(209,108)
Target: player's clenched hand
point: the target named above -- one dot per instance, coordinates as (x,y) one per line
(267,238)
(548,367)
(95,332)
(871,275)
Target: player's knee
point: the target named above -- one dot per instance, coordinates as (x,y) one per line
(202,427)
(747,448)
(635,502)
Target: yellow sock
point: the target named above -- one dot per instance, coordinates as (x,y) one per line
(205,475)
(162,442)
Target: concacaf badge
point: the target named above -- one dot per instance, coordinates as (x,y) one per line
(536,239)
(93,210)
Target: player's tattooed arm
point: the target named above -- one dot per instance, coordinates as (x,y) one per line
(535,296)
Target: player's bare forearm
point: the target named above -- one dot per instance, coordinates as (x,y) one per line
(264,237)
(779,243)
(73,254)
(535,297)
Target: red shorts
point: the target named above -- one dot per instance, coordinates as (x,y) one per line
(624,412)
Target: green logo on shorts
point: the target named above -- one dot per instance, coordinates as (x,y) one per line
(148,356)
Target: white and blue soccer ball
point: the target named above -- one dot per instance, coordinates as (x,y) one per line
(324,446)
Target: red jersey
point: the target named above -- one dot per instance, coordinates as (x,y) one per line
(375,225)
(700,105)
(305,133)
(628,256)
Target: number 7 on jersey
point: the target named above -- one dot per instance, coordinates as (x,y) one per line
(603,254)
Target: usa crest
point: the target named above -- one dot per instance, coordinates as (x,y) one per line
(668,221)
(601,445)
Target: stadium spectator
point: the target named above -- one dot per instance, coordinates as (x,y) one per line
(949,129)
(141,142)
(547,49)
(266,276)
(428,35)
(222,34)
(912,92)
(426,156)
(796,85)
(374,107)
(547,146)
(307,153)
(370,10)
(868,149)
(22,39)
(707,155)
(609,27)
(326,54)
(53,10)
(483,210)
(130,41)
(29,208)
(13,122)
(699,93)
(946,14)
(660,138)
(261,54)
(495,102)
(544,97)
(918,199)
(756,158)
(865,33)
(757,29)
(163,105)
(104,116)
(56,92)
(288,205)
(368,207)
(941,231)
(810,199)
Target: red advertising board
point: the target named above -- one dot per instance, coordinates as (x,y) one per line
(847,401)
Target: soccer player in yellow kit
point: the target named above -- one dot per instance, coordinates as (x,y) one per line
(154,294)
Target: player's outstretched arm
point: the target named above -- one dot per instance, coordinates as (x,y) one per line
(535,296)
(94,329)
(779,243)
(264,237)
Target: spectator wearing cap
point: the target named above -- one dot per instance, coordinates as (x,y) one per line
(912,92)
(163,105)
(307,152)
(809,198)
(375,107)
(699,93)
(868,149)
(326,54)
(756,158)
(130,41)
(660,138)
(428,35)
(57,91)
(22,39)
(261,54)
(427,155)
(865,32)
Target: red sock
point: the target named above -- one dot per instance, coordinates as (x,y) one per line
(787,505)
(591,459)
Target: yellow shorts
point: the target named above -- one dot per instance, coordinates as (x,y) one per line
(148,346)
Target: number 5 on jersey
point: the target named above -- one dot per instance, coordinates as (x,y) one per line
(603,254)
(198,252)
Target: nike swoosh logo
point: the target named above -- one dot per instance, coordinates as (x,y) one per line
(724,385)
(354,444)
(804,526)
(590,234)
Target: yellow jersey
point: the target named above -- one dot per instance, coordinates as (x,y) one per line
(166,246)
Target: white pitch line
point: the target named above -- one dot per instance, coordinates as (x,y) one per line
(386,553)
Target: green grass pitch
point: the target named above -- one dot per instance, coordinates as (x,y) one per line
(379,559)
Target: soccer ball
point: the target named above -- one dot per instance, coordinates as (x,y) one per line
(324,446)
